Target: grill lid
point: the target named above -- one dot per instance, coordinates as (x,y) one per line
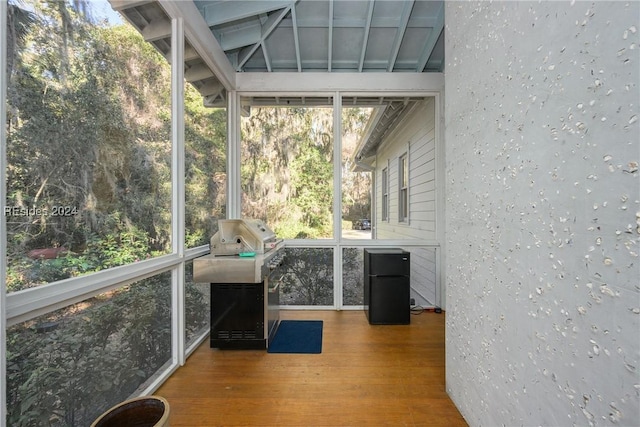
(236,236)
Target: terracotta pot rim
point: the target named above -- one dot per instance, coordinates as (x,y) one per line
(161,422)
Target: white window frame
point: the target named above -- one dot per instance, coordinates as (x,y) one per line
(403,187)
(385,194)
(27,304)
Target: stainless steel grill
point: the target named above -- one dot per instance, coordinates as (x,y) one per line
(241,251)
(243,270)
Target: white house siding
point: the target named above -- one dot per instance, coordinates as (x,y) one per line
(416,137)
(543,212)
(423,276)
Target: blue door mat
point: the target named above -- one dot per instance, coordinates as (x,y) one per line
(297,336)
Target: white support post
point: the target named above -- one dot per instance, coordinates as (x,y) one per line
(178,191)
(3,200)
(337,199)
(440,200)
(234,154)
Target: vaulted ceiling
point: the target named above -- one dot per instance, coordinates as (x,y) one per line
(239,36)
(328,35)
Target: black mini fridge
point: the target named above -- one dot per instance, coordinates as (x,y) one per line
(386,286)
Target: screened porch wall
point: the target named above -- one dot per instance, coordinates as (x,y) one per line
(70,365)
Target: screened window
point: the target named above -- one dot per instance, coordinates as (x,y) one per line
(205,168)
(385,194)
(356,183)
(70,365)
(197,306)
(403,196)
(287,166)
(88,147)
(308,278)
(352,276)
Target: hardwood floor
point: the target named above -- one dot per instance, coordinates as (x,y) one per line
(366,375)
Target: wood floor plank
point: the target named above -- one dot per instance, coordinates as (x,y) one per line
(366,375)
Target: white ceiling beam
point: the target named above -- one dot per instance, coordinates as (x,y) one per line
(222,12)
(367,29)
(423,21)
(330,36)
(157,29)
(320,64)
(242,37)
(431,41)
(402,28)
(215,101)
(377,22)
(199,36)
(198,72)
(267,60)
(273,22)
(270,25)
(245,55)
(296,40)
(190,53)
(211,88)
(119,5)
(287,82)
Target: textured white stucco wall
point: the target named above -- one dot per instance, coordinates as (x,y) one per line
(543,212)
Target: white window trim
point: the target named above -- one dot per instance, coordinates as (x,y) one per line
(408,219)
(403,212)
(27,304)
(385,192)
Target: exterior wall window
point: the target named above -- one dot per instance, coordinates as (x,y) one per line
(403,195)
(385,194)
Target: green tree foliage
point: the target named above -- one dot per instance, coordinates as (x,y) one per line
(19,22)
(70,366)
(89,130)
(287,172)
(205,164)
(308,278)
(356,185)
(287,181)
(287,169)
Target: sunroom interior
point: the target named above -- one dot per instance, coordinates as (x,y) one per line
(534,258)
(317,61)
